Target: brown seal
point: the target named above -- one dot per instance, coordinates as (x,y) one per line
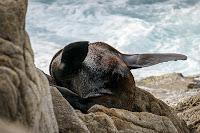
(96,73)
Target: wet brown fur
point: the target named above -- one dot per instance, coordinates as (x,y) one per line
(103,78)
(110,71)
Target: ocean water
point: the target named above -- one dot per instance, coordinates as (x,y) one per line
(131,26)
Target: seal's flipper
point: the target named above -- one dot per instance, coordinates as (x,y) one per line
(136,61)
(68,60)
(66,91)
(73,55)
(76,101)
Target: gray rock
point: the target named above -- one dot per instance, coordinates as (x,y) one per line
(101,119)
(189,110)
(146,102)
(67,119)
(24,92)
(171,88)
(7,127)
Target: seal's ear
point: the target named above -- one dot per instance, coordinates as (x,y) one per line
(136,61)
(73,55)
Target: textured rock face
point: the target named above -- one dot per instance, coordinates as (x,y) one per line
(145,102)
(6,127)
(171,88)
(189,110)
(101,119)
(24,91)
(67,119)
(176,88)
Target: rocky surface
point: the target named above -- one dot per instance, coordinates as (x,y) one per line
(68,120)
(171,88)
(189,110)
(101,119)
(180,92)
(7,127)
(24,92)
(146,102)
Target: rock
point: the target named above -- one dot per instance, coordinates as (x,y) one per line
(101,119)
(196,83)
(6,127)
(189,110)
(146,102)
(171,88)
(24,92)
(192,117)
(179,92)
(67,119)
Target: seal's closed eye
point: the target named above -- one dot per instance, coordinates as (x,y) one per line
(136,61)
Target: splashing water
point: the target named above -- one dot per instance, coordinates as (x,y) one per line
(138,26)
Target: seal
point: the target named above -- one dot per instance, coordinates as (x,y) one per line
(96,73)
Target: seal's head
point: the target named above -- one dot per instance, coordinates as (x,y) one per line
(97,73)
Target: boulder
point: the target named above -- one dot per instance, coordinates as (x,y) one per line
(171,88)
(111,120)
(146,102)
(180,92)
(24,92)
(7,127)
(68,120)
(189,110)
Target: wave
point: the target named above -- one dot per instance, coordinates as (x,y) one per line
(138,26)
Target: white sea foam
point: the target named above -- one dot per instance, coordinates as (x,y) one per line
(132,26)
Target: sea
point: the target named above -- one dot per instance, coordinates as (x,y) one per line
(131,26)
